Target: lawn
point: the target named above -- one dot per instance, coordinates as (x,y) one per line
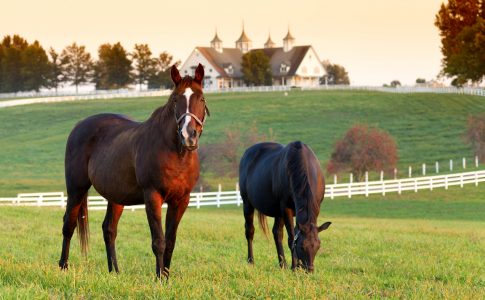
(427,245)
(426,127)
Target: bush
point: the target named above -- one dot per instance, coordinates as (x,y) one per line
(363,149)
(475,135)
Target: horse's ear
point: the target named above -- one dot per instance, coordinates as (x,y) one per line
(174,73)
(324,226)
(199,74)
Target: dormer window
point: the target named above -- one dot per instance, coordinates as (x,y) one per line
(284,68)
(229,69)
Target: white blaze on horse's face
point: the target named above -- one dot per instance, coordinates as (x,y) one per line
(188,92)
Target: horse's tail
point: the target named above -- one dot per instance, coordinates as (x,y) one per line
(83,225)
(263,223)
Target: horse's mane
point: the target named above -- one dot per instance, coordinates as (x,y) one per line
(303,195)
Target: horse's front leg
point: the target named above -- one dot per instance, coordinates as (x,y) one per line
(172,220)
(290,229)
(153,207)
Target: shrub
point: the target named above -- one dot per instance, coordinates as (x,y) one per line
(363,149)
(475,135)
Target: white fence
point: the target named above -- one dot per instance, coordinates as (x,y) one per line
(48,97)
(233,197)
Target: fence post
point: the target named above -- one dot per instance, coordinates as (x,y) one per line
(382,175)
(39,200)
(437,167)
(476,161)
(476,178)
(350,184)
(415,185)
(446,182)
(334,178)
(63,200)
(410,172)
(431,183)
(464,163)
(366,184)
(331,192)
(395,173)
(451,165)
(461,179)
(238,195)
(424,169)
(219,196)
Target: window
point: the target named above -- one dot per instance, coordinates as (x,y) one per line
(284,68)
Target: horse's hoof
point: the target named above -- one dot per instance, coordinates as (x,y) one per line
(251,261)
(63,265)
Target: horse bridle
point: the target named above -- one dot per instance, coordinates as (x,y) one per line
(295,239)
(201,123)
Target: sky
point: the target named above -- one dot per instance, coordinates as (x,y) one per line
(377,41)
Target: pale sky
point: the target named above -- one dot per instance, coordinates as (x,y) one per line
(377,41)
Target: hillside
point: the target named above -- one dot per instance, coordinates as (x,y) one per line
(427,127)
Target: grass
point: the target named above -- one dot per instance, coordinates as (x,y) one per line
(416,246)
(427,127)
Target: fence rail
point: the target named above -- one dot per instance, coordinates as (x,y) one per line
(45,97)
(233,197)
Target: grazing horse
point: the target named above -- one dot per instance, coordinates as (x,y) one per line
(281,181)
(131,163)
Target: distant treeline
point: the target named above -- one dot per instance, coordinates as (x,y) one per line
(27,66)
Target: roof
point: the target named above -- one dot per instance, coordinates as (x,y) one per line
(233,56)
(269,43)
(216,39)
(243,38)
(288,36)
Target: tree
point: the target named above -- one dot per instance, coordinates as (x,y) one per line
(35,67)
(395,83)
(145,64)
(11,64)
(363,149)
(113,69)
(462,30)
(55,75)
(77,64)
(256,68)
(475,135)
(420,80)
(336,74)
(162,76)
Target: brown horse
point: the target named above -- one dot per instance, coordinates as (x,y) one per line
(130,163)
(282,182)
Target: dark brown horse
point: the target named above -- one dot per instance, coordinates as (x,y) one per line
(130,163)
(282,182)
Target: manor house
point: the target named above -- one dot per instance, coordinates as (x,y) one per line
(290,65)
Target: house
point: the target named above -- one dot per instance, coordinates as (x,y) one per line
(290,65)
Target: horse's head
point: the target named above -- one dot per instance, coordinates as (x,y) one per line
(190,107)
(306,243)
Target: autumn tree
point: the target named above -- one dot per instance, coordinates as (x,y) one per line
(56,76)
(336,74)
(145,64)
(77,64)
(113,68)
(462,29)
(475,135)
(11,63)
(161,78)
(256,68)
(363,149)
(35,67)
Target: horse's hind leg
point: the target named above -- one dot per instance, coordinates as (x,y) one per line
(110,228)
(278,238)
(249,226)
(74,201)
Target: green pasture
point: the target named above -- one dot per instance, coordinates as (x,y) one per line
(427,127)
(426,245)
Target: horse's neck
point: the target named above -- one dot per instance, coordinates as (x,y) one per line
(161,129)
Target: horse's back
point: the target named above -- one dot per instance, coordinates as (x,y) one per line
(256,172)
(93,138)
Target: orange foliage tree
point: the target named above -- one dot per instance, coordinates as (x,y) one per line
(475,135)
(363,149)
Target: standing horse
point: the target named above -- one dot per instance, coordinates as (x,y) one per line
(280,182)
(131,163)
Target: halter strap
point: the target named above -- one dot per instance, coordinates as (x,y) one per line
(201,123)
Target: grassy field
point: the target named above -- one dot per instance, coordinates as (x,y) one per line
(428,245)
(427,127)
